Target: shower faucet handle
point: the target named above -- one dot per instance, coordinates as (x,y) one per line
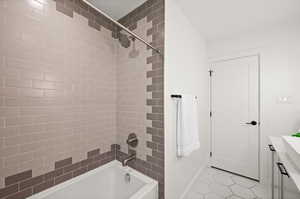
(132,140)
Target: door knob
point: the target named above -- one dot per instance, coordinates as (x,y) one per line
(253,123)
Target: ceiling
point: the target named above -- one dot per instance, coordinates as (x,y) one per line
(223,18)
(117,8)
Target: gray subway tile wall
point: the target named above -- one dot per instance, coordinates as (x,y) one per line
(23,184)
(58,88)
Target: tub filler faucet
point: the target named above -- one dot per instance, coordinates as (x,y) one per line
(132,142)
(128,159)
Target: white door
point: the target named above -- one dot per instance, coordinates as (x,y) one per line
(235,116)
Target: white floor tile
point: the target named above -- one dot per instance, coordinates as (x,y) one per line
(201,188)
(234,197)
(244,181)
(221,190)
(213,196)
(223,179)
(260,191)
(205,178)
(242,192)
(194,195)
(217,184)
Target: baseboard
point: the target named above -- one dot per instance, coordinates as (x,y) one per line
(188,187)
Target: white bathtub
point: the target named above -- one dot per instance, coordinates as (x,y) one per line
(105,182)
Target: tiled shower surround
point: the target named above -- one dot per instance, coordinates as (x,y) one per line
(141,81)
(70,95)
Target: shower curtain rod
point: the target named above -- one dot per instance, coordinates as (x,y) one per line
(123,27)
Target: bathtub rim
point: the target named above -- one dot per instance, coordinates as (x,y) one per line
(150,183)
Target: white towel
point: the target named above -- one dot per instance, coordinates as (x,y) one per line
(187,126)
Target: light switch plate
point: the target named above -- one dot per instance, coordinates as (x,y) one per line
(284,100)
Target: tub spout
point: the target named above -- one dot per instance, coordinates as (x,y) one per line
(127,159)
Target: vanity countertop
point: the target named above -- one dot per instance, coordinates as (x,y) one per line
(294,142)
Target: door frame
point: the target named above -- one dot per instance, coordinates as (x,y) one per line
(229,58)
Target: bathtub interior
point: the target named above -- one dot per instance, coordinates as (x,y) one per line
(107,183)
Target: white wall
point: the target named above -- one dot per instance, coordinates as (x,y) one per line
(279,49)
(186,71)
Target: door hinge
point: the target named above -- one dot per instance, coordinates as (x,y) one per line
(210,114)
(210,154)
(210,73)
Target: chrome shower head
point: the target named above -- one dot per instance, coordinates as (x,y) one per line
(134,52)
(124,40)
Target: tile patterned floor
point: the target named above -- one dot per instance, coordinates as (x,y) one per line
(216,184)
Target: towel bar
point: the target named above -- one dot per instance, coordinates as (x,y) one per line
(176,96)
(179,96)
(179,103)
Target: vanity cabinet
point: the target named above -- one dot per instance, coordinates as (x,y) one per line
(282,184)
(274,173)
